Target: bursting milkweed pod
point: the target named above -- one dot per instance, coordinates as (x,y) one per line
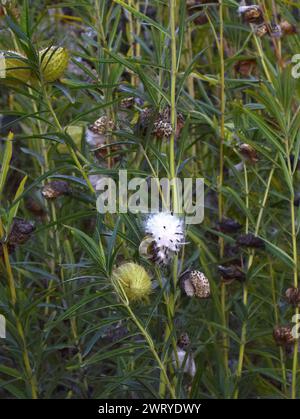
(162,129)
(53,62)
(95,134)
(21,231)
(293,296)
(249,153)
(183,341)
(134,280)
(167,232)
(185,361)
(14,68)
(195,283)
(56,188)
(251,14)
(283,336)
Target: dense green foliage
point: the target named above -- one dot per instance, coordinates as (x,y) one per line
(71,332)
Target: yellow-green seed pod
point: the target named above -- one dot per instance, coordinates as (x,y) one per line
(13,68)
(53,61)
(134,280)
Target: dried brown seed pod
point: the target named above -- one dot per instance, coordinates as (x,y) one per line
(251,14)
(162,129)
(21,231)
(288,28)
(293,296)
(261,30)
(283,336)
(55,189)
(249,153)
(183,341)
(102,125)
(231,273)
(245,67)
(195,283)
(228,225)
(250,240)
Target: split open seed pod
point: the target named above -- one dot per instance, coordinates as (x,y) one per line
(195,284)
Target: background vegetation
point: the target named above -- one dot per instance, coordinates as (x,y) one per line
(69,335)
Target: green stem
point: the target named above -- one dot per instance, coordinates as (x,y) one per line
(221,177)
(172,6)
(295,269)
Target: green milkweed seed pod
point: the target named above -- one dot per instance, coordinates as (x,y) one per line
(53,61)
(13,68)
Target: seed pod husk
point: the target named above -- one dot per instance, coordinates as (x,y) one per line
(261,30)
(21,231)
(183,341)
(231,273)
(162,129)
(252,14)
(283,336)
(102,125)
(249,153)
(250,240)
(293,296)
(56,188)
(195,284)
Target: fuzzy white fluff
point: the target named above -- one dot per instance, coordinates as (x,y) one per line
(167,231)
(185,361)
(93,139)
(243,9)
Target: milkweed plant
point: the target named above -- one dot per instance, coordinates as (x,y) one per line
(145,304)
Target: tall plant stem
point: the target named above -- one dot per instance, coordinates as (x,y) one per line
(171,297)
(295,269)
(172,6)
(221,176)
